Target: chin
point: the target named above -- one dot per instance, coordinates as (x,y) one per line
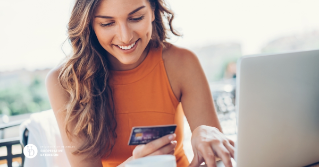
(129,61)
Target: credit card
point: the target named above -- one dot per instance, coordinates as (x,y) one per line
(146,134)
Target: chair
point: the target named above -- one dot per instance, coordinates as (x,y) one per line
(42,130)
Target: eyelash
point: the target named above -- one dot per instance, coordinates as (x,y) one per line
(132,19)
(138,19)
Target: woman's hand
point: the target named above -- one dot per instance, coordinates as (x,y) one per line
(162,146)
(209,143)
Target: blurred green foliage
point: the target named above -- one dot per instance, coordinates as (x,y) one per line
(20,98)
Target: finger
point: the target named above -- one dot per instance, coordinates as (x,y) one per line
(231,142)
(172,153)
(230,149)
(167,149)
(152,146)
(207,152)
(197,160)
(137,151)
(224,154)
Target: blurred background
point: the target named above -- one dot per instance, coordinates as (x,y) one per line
(33,39)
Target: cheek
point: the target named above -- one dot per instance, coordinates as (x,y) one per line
(144,29)
(104,37)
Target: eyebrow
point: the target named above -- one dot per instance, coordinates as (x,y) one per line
(110,17)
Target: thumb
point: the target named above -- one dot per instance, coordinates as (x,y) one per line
(196,161)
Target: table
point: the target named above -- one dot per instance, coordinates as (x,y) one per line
(220,164)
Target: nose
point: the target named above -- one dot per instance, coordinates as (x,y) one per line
(125,33)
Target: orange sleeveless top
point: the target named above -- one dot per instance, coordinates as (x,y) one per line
(143,97)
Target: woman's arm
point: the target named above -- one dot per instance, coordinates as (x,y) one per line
(188,80)
(58,99)
(207,140)
(196,96)
(190,86)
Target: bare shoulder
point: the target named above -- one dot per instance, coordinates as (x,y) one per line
(57,95)
(52,76)
(178,55)
(182,67)
(180,61)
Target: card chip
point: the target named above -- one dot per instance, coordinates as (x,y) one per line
(138,134)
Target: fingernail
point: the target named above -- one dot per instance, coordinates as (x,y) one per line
(170,137)
(174,142)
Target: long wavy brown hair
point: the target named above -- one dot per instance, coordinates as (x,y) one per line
(85,76)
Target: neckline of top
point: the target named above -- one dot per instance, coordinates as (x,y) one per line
(128,76)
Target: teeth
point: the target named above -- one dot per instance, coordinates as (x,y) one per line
(127,47)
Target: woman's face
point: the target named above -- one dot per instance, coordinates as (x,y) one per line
(124,28)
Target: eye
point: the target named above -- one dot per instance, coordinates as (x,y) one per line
(137,19)
(108,24)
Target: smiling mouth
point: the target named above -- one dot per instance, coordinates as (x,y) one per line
(127,47)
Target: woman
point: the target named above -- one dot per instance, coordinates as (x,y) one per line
(122,74)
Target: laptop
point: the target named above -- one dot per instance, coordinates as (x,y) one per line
(278,110)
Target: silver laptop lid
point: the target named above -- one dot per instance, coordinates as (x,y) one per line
(278,110)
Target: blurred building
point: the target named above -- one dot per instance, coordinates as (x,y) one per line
(215,58)
(295,42)
(23,76)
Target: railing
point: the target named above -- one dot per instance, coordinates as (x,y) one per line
(9,158)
